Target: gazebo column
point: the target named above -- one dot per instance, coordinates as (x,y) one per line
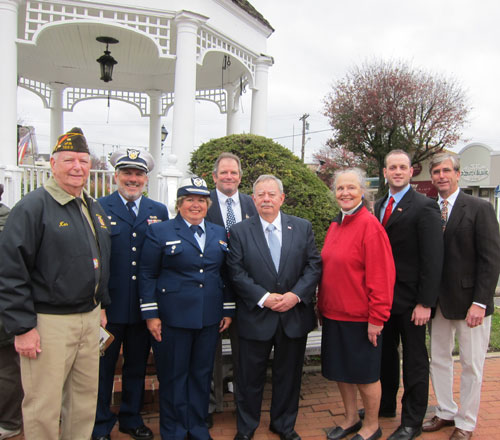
(183,124)
(10,174)
(56,112)
(155,142)
(233,110)
(258,123)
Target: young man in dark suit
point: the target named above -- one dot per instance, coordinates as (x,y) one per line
(465,304)
(129,213)
(274,268)
(413,225)
(228,207)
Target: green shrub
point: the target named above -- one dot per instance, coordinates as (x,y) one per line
(305,194)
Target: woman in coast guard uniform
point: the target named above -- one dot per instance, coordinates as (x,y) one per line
(186,305)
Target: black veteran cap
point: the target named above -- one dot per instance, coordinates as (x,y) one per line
(132,158)
(73,140)
(193,185)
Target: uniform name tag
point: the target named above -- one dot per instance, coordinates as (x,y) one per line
(168,243)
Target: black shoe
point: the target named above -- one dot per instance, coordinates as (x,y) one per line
(292,435)
(376,435)
(405,433)
(338,432)
(209,421)
(241,436)
(102,437)
(139,433)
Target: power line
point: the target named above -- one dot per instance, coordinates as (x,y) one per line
(300,134)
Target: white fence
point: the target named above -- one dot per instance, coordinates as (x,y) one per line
(100,182)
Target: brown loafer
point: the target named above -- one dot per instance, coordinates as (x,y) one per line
(436,423)
(460,434)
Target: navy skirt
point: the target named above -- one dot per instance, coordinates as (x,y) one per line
(346,353)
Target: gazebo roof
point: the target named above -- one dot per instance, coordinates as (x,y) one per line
(246,6)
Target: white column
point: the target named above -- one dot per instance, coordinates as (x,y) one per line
(258,123)
(56,112)
(8,103)
(233,109)
(154,141)
(183,127)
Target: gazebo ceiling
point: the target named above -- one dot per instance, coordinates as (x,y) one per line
(67,53)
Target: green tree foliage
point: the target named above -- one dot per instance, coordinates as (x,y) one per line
(306,195)
(382,106)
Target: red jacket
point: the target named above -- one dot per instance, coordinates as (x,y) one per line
(358,277)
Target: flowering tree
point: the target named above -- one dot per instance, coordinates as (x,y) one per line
(382,106)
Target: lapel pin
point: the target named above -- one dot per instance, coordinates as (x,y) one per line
(289,227)
(400,209)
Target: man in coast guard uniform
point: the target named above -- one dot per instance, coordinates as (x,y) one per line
(130,213)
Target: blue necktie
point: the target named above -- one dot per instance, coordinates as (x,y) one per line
(197,229)
(130,207)
(230,218)
(274,245)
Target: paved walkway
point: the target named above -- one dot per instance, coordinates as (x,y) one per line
(321,408)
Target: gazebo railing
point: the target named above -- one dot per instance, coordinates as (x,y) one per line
(100,182)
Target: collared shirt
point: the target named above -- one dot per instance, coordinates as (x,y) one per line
(200,239)
(397,198)
(351,211)
(451,201)
(221,197)
(62,197)
(137,203)
(277,225)
(279,235)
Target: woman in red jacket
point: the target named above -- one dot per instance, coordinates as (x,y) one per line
(354,300)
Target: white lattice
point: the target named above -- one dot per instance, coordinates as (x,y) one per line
(39,13)
(139,99)
(218,96)
(41,89)
(209,40)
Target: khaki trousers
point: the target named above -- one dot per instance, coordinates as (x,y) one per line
(473,345)
(60,385)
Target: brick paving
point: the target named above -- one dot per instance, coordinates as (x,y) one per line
(321,408)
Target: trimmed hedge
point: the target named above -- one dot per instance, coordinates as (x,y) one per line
(305,194)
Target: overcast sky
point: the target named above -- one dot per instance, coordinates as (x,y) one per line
(314,44)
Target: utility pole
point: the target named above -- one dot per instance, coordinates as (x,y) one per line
(305,126)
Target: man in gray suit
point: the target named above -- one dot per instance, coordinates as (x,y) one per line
(465,304)
(274,267)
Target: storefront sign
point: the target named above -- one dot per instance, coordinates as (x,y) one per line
(474,172)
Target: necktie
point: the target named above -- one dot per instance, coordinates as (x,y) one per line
(274,245)
(230,218)
(197,229)
(130,207)
(388,211)
(444,213)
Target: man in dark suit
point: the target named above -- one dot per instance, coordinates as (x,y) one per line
(412,222)
(274,267)
(228,207)
(465,304)
(129,213)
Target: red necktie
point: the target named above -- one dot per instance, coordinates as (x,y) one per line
(388,211)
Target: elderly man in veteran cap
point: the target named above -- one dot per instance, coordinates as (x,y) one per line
(130,213)
(55,250)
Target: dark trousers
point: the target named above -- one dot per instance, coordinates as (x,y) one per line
(184,363)
(400,328)
(286,379)
(136,347)
(11,394)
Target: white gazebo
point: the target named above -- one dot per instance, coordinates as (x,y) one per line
(170,53)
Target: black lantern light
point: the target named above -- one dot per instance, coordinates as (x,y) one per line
(106,61)
(164,134)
